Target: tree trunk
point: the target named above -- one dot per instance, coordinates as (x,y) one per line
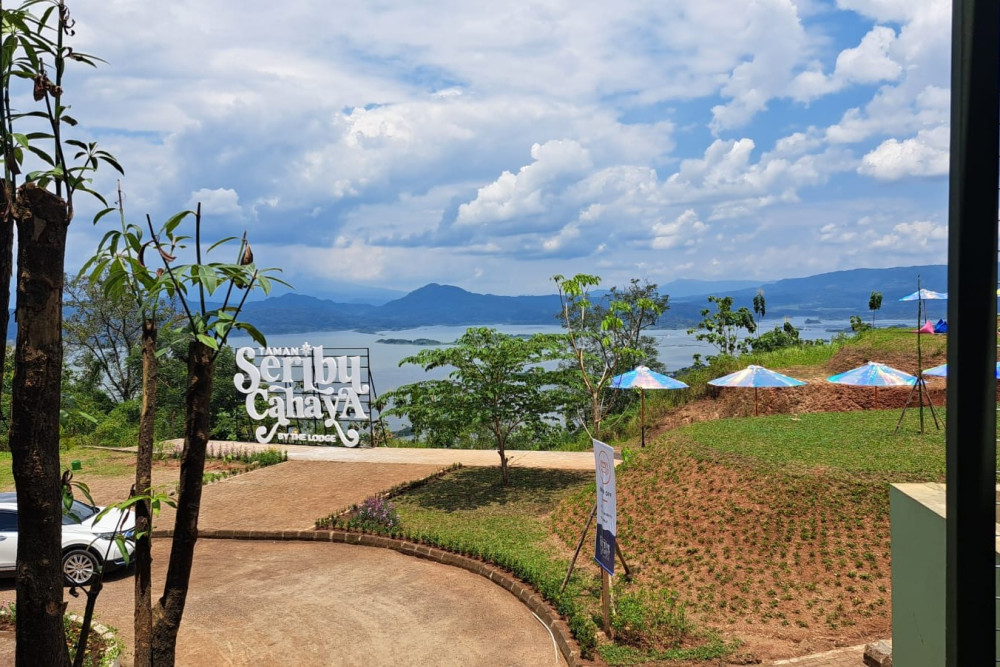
(143,614)
(169,609)
(34,428)
(6,270)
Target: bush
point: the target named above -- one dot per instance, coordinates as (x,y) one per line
(375,513)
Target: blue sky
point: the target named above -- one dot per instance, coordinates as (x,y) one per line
(492,145)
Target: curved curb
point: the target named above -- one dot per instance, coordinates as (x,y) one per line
(525,593)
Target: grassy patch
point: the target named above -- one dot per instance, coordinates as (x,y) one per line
(851,442)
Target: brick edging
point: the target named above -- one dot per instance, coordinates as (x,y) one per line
(522,591)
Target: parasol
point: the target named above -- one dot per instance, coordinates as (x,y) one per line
(874,374)
(756,377)
(642,378)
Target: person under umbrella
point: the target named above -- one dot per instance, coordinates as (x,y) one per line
(756,377)
(643,379)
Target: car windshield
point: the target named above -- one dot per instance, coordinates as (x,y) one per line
(77,513)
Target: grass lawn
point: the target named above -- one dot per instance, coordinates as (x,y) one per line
(93,463)
(853,442)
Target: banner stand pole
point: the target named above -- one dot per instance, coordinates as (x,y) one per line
(579,545)
(606,603)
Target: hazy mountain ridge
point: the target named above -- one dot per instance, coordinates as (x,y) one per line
(834,295)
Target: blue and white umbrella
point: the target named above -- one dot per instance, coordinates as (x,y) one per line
(920,296)
(642,378)
(874,374)
(924,295)
(756,377)
(942,371)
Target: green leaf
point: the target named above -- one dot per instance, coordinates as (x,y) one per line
(208,341)
(171,224)
(256,335)
(103,212)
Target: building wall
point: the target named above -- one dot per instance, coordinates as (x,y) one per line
(918,574)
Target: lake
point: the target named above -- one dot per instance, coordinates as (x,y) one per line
(676,347)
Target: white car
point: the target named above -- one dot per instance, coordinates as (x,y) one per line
(87,546)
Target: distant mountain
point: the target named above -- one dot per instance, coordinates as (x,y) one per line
(836,295)
(840,294)
(687,287)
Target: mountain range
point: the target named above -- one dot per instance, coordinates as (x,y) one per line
(835,295)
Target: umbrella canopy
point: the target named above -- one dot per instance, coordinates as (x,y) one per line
(756,377)
(642,378)
(942,371)
(925,294)
(874,374)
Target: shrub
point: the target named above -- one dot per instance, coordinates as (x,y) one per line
(376,513)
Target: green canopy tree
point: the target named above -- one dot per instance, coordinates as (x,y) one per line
(606,340)
(722,328)
(500,383)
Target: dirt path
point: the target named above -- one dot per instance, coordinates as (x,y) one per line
(310,603)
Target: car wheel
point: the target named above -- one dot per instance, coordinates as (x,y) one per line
(80,567)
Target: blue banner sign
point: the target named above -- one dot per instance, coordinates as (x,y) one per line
(607,506)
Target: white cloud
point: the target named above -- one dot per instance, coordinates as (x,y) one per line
(220,201)
(522,194)
(391,140)
(923,155)
(683,230)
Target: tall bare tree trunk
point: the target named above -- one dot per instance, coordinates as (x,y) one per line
(6,271)
(169,609)
(143,616)
(34,427)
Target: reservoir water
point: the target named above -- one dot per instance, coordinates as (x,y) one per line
(676,347)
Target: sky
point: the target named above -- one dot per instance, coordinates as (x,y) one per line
(492,145)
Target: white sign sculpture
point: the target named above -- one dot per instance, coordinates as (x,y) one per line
(302,384)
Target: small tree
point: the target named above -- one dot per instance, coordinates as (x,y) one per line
(874,303)
(722,328)
(759,308)
(207,329)
(500,383)
(606,340)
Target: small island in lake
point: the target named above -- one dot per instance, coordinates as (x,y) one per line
(810,320)
(406,341)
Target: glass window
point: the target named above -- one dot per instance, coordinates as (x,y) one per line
(8,521)
(78,513)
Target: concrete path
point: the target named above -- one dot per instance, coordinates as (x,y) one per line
(308,603)
(851,656)
(438,457)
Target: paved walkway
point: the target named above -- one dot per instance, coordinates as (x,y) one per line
(852,656)
(438,457)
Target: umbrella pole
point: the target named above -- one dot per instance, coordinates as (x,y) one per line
(642,416)
(755,401)
(876,397)
(920,364)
